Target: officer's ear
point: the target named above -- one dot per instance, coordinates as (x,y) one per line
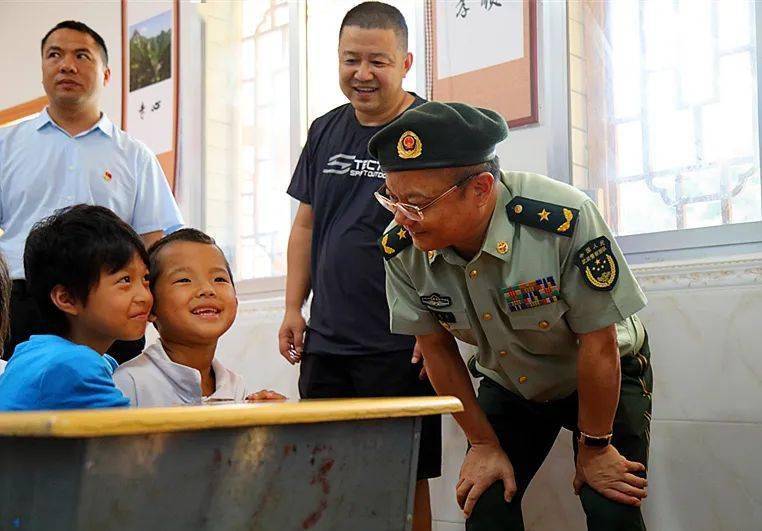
(482,186)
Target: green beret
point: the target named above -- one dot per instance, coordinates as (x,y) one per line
(438,135)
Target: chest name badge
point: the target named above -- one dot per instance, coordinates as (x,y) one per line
(598,264)
(435,301)
(531,294)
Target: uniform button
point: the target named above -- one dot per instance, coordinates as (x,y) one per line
(487,316)
(503,353)
(518,209)
(71,168)
(523,379)
(473,273)
(543,324)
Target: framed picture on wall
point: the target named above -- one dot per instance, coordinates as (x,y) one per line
(484,52)
(150,73)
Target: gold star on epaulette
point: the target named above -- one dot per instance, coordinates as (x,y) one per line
(549,217)
(393,241)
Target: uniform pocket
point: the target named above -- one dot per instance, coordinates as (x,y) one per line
(542,318)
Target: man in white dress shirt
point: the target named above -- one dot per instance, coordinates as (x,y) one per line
(72,153)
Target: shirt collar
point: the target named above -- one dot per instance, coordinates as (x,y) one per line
(224,382)
(186,381)
(499,236)
(104,124)
(43,119)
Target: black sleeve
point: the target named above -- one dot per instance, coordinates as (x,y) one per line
(302,181)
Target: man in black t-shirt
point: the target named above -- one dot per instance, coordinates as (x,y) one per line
(347,349)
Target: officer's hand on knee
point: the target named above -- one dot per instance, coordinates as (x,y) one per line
(610,474)
(484,464)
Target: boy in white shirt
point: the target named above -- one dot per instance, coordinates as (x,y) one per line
(194,304)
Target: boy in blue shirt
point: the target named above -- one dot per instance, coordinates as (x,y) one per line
(88,272)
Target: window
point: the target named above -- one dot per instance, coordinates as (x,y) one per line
(264,218)
(664,113)
(247,129)
(253,105)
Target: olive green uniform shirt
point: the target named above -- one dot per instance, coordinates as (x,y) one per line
(522,299)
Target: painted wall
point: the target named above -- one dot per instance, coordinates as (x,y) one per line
(22,26)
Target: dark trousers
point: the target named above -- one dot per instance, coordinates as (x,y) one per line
(527,431)
(26,320)
(375,375)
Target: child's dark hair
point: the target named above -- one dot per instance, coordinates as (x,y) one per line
(72,248)
(182,235)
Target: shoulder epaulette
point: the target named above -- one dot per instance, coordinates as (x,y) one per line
(394,240)
(550,217)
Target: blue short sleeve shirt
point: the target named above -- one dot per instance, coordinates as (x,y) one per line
(50,372)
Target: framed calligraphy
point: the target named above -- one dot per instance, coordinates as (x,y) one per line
(150,77)
(484,52)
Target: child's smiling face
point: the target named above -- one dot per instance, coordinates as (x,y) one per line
(194,297)
(117,307)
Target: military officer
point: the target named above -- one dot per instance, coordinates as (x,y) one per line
(524,268)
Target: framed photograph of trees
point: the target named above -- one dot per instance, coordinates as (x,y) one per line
(150,77)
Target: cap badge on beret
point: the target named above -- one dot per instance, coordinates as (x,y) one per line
(409,146)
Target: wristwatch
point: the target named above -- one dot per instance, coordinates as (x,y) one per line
(592,441)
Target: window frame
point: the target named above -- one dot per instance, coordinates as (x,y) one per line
(681,244)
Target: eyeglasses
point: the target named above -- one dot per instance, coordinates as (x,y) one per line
(414,212)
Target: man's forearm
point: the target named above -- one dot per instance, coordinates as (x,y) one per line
(599,380)
(298,267)
(449,376)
